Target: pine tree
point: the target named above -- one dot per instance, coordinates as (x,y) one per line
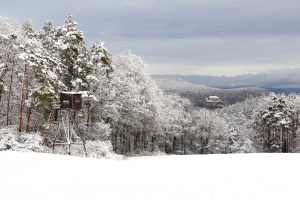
(73,55)
(67,47)
(41,82)
(10,66)
(99,83)
(277,122)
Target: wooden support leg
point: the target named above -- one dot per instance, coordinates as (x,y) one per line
(81,137)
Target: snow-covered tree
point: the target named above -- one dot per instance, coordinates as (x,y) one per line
(40,81)
(67,44)
(277,122)
(239,118)
(9,26)
(174,122)
(135,102)
(9,70)
(99,84)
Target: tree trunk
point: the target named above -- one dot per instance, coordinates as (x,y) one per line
(153,141)
(269,139)
(88,116)
(115,138)
(93,117)
(284,140)
(137,140)
(184,144)
(8,99)
(22,100)
(28,119)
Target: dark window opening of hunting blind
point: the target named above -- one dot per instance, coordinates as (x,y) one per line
(72,100)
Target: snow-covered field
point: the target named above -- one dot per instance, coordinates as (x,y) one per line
(241,176)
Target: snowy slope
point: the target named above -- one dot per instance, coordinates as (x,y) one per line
(241,176)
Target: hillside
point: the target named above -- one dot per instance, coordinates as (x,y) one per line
(198,93)
(38,176)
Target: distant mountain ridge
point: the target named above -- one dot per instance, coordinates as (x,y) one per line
(278,81)
(284,90)
(198,93)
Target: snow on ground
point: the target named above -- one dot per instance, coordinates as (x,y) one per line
(241,176)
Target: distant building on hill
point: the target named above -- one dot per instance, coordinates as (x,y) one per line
(213,102)
(213,99)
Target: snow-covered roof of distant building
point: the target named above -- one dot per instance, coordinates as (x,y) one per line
(213,99)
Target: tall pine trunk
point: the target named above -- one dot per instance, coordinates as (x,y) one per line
(28,119)
(22,100)
(8,99)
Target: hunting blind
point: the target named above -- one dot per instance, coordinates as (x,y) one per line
(71,100)
(62,127)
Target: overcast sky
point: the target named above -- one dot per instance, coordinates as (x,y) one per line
(198,37)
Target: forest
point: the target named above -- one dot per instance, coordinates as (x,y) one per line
(124,111)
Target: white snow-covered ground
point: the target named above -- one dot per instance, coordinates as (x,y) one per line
(241,176)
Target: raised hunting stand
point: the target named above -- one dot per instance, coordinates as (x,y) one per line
(62,124)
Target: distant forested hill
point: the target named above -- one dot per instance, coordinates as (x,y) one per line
(276,80)
(198,93)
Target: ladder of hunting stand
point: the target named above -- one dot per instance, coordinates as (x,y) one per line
(51,119)
(48,125)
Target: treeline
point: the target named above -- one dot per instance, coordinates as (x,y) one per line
(122,105)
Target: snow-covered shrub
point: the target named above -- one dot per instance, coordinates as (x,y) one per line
(98,149)
(148,153)
(99,131)
(31,142)
(8,140)
(11,139)
(94,149)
